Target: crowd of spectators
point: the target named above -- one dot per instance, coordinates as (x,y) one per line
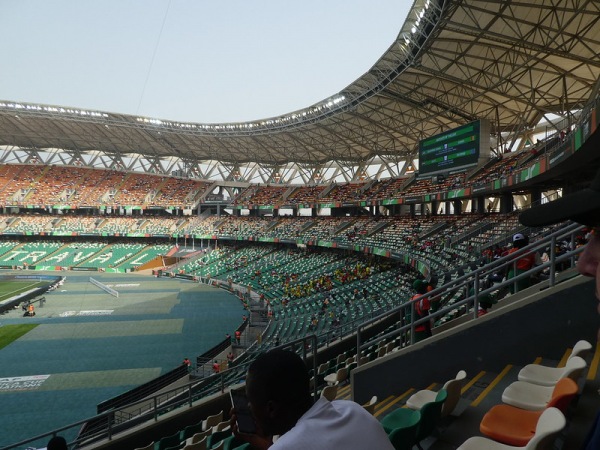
(51,185)
(39,184)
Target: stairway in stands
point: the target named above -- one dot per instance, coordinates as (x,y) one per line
(483,390)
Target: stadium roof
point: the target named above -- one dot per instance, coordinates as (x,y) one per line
(514,63)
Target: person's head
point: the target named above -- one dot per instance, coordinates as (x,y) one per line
(520,240)
(57,443)
(278,389)
(582,207)
(420,286)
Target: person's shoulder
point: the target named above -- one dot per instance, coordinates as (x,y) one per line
(349,405)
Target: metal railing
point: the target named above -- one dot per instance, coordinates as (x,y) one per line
(472,281)
(109,423)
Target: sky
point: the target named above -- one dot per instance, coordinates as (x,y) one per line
(205,61)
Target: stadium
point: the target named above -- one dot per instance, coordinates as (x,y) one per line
(139,241)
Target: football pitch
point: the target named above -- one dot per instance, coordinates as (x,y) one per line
(10,333)
(11,288)
(85,346)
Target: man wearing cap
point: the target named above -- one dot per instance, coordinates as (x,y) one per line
(521,265)
(583,207)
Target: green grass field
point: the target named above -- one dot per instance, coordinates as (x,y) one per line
(9,289)
(10,333)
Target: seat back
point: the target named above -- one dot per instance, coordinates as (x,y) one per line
(190,430)
(232,442)
(453,387)
(351,367)
(581,349)
(342,374)
(363,360)
(168,441)
(215,439)
(330,392)
(221,426)
(199,437)
(200,445)
(551,422)
(212,421)
(574,368)
(370,407)
(430,415)
(323,368)
(405,437)
(563,393)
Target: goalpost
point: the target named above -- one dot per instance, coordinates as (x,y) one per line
(104,287)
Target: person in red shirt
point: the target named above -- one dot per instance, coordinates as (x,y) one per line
(422,307)
(523,264)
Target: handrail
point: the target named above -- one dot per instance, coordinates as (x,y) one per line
(175,398)
(187,394)
(464,282)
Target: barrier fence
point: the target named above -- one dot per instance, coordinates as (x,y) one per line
(104,287)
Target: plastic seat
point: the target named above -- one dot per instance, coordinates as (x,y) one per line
(370,406)
(150,446)
(550,423)
(581,349)
(404,437)
(233,442)
(215,439)
(199,445)
(212,421)
(549,376)
(363,360)
(190,430)
(198,437)
(430,416)
(351,367)
(340,376)
(176,447)
(221,426)
(330,392)
(453,387)
(399,418)
(245,446)
(512,425)
(322,371)
(534,397)
(168,441)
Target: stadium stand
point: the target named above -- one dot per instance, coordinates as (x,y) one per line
(344,279)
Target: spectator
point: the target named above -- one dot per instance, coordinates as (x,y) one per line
(582,207)
(57,443)
(279,396)
(523,264)
(422,308)
(216,368)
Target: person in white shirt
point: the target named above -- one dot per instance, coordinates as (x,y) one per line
(278,390)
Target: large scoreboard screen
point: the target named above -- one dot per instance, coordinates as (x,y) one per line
(454,149)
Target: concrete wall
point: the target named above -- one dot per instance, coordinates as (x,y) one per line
(543,324)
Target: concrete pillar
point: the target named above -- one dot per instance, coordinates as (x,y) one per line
(457,207)
(506,203)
